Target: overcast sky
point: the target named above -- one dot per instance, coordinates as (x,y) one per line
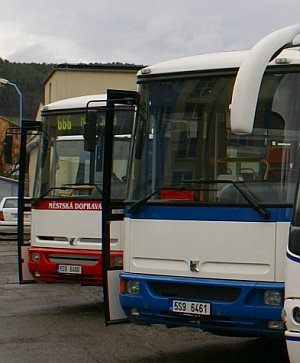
(135,31)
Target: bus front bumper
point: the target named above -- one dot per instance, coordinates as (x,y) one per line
(234,308)
(69,266)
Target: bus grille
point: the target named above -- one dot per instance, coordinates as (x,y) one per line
(189,291)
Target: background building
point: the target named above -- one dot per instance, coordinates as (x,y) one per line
(72,80)
(7,169)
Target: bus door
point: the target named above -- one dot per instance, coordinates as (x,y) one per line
(112,210)
(33,129)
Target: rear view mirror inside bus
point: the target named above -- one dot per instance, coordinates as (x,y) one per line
(89,131)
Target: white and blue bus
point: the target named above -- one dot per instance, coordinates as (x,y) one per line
(209,203)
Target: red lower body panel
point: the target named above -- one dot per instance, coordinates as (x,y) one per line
(69,266)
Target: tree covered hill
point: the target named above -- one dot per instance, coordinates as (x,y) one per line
(29,78)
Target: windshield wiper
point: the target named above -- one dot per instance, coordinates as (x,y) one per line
(34,203)
(67,187)
(134,208)
(250,200)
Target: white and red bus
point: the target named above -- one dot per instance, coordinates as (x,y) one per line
(66,238)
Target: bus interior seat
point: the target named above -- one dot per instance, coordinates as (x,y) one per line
(262,192)
(280,159)
(223,178)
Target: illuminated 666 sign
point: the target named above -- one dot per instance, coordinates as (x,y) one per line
(64,123)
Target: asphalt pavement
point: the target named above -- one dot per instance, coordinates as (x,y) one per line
(62,323)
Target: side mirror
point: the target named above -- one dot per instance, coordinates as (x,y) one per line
(7,148)
(89,131)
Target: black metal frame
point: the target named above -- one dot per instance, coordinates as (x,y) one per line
(110,209)
(27,126)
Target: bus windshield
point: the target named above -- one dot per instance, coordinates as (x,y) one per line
(184,148)
(65,169)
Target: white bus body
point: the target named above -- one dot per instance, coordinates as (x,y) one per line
(276,40)
(208,211)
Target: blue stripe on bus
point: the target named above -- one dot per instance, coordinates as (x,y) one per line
(208,213)
(293,258)
(292,339)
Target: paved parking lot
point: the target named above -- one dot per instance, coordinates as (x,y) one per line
(60,323)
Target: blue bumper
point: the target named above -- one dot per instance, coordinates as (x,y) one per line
(236,307)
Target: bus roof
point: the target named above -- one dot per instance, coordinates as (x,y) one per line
(75,102)
(212,61)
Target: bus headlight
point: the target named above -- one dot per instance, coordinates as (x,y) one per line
(132,287)
(296,314)
(35,256)
(272,297)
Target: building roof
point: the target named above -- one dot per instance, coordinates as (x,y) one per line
(11,123)
(99,66)
(94,67)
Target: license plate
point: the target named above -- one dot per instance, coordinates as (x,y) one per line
(189,307)
(26,216)
(68,269)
